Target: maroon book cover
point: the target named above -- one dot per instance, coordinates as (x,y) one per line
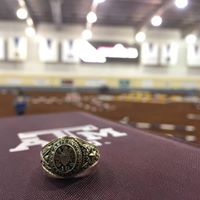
(133,164)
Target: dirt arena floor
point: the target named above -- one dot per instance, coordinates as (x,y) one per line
(176,118)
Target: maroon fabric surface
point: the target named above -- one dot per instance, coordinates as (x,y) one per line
(137,166)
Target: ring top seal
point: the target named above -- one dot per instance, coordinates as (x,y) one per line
(69,157)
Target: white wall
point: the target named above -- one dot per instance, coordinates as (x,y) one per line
(123,34)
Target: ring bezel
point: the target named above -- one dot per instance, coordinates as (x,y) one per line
(83,162)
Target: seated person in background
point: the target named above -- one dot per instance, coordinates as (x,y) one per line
(20,103)
(104,89)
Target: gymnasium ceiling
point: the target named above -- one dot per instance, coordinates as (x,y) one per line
(135,13)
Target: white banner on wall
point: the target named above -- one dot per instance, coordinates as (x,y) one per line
(2,49)
(41,82)
(14,81)
(169,54)
(17,48)
(48,50)
(193,55)
(69,52)
(95,83)
(150,54)
(147,83)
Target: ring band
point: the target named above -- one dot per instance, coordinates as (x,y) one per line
(69,157)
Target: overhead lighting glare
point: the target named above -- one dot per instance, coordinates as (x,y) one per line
(140,37)
(156,20)
(29,21)
(191,39)
(91,17)
(87,52)
(99,1)
(118,51)
(87,34)
(181,3)
(22,13)
(119,46)
(30,31)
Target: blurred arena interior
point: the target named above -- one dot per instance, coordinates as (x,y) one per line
(134,62)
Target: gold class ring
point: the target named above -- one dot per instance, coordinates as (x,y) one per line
(69,157)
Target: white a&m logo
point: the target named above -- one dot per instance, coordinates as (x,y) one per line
(90,133)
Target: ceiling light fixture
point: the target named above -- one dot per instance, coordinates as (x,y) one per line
(191,38)
(29,21)
(21,3)
(30,31)
(156,20)
(22,13)
(140,37)
(181,3)
(91,17)
(87,34)
(99,1)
